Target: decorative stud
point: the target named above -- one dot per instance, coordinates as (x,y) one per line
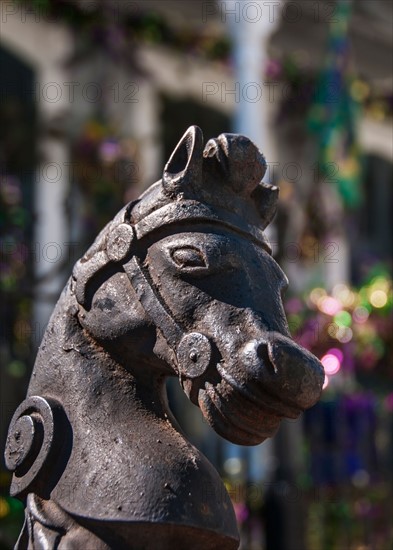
(194,354)
(120,242)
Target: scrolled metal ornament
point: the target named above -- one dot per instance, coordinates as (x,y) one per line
(30,442)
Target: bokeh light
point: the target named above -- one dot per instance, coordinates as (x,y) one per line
(233,466)
(343,319)
(359,90)
(316,294)
(329,305)
(360,314)
(378,298)
(331,363)
(344,335)
(338,353)
(344,294)
(4,507)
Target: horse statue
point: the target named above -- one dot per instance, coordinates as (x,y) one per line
(180,283)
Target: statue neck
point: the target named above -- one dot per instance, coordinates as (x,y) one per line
(96,379)
(128,463)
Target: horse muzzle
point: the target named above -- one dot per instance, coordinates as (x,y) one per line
(267,380)
(284,370)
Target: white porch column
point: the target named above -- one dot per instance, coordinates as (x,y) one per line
(145,129)
(46,46)
(251,25)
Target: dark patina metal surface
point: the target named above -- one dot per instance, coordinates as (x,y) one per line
(180,283)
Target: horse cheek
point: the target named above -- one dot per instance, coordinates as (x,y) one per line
(115,313)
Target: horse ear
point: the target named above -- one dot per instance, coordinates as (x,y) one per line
(184,168)
(266,198)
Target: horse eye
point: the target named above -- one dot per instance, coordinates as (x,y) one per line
(188,257)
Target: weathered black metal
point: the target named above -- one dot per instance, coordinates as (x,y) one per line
(180,283)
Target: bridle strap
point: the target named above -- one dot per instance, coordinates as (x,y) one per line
(193,349)
(152,304)
(122,234)
(198,212)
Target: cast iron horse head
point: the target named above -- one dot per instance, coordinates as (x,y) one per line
(180,283)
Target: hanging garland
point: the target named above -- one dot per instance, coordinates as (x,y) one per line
(107,174)
(16,304)
(334,113)
(304,88)
(105,23)
(99,25)
(15,341)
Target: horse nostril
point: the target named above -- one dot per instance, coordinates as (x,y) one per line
(300,373)
(263,353)
(257,358)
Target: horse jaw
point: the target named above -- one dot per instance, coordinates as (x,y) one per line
(269,380)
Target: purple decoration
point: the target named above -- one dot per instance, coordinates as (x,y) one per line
(273,69)
(109,151)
